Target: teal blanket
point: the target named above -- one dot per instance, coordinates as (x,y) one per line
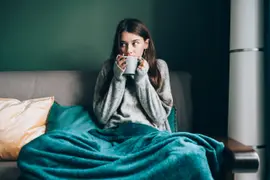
(130,151)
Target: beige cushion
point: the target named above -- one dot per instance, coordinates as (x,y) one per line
(21,122)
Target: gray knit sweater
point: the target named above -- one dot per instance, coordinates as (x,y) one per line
(133,98)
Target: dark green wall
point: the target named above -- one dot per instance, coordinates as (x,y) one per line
(67,34)
(62,34)
(194,36)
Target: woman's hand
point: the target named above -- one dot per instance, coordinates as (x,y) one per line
(119,67)
(121,62)
(142,69)
(143,65)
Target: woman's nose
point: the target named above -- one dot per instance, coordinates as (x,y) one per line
(130,50)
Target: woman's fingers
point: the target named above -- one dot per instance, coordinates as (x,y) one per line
(141,63)
(124,66)
(121,61)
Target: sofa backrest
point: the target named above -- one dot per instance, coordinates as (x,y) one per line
(77,88)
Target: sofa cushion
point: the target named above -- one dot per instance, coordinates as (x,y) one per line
(77,88)
(9,170)
(21,122)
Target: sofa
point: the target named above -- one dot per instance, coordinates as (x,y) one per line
(77,87)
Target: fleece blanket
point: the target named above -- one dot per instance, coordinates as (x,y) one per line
(130,151)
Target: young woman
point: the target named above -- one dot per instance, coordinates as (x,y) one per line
(143,98)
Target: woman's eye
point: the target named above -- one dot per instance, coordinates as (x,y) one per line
(135,43)
(122,44)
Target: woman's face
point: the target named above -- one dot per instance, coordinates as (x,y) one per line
(132,44)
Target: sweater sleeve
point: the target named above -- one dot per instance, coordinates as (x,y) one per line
(105,106)
(156,103)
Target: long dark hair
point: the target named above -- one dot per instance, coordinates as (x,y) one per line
(134,26)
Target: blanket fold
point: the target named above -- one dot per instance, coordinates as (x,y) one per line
(130,151)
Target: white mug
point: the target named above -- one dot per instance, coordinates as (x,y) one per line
(132,64)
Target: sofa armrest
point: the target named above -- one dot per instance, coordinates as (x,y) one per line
(239,158)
